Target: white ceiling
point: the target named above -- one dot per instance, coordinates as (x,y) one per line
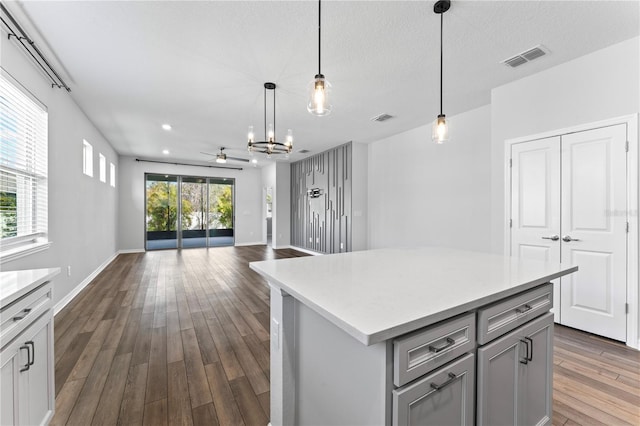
(201,65)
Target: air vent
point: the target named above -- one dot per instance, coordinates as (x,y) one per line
(526,56)
(304,151)
(382,117)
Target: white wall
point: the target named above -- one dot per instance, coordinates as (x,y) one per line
(282,206)
(359,196)
(423,194)
(268,181)
(248,202)
(82,210)
(604,84)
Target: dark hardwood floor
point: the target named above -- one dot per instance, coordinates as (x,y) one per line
(182,337)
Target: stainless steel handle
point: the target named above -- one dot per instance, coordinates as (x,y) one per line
(525,360)
(526,308)
(32,352)
(552,238)
(450,342)
(28,364)
(530,356)
(568,238)
(452,378)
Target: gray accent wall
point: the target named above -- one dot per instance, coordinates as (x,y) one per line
(323,224)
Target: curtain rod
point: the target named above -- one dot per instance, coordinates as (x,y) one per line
(186,164)
(30,43)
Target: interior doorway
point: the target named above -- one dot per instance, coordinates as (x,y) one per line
(188,211)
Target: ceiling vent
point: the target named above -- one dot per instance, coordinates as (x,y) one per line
(382,117)
(526,56)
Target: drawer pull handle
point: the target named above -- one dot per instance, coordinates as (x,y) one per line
(523,310)
(18,318)
(452,378)
(26,366)
(529,350)
(530,357)
(450,342)
(32,352)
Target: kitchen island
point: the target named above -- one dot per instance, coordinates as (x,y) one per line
(372,337)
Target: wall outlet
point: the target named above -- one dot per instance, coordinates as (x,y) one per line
(318,240)
(341,246)
(310,239)
(69,270)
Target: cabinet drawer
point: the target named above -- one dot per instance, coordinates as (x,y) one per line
(502,317)
(445,397)
(14,318)
(424,350)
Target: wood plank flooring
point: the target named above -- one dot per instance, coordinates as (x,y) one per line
(182,337)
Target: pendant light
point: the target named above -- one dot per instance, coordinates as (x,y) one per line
(440,132)
(320,89)
(269,145)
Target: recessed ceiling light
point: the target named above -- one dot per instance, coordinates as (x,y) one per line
(165,151)
(254,161)
(166,126)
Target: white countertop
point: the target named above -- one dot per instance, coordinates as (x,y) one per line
(15,284)
(376,295)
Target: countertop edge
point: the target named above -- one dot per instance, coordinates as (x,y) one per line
(8,299)
(428,319)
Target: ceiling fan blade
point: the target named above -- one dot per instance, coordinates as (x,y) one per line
(246,160)
(208,153)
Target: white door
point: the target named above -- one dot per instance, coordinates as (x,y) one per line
(594,230)
(535,203)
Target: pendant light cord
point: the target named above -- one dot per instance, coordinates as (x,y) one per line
(441,21)
(319,35)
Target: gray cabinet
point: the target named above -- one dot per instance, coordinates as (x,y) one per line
(515,376)
(27,395)
(444,397)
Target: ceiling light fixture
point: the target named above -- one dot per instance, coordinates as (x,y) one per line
(440,131)
(166,127)
(320,88)
(221,157)
(269,145)
(165,151)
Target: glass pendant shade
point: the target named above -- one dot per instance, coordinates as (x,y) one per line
(440,130)
(250,135)
(319,96)
(289,140)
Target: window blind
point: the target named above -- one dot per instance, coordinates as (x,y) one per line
(23,167)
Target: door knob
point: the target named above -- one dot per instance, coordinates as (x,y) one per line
(552,238)
(568,238)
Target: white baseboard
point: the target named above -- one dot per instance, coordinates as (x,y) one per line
(311,252)
(73,293)
(256,243)
(131,251)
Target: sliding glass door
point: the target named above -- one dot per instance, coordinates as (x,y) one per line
(194,209)
(162,212)
(188,211)
(220,212)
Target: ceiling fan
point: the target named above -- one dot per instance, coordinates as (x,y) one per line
(222,158)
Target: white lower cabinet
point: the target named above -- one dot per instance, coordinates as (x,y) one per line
(26,374)
(444,397)
(515,374)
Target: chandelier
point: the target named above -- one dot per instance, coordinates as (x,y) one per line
(269,145)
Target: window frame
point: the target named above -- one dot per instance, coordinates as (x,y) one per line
(102,167)
(15,247)
(87,158)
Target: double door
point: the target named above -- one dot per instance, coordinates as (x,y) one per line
(569,205)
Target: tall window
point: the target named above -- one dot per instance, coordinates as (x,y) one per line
(23,169)
(103,168)
(87,158)
(112,174)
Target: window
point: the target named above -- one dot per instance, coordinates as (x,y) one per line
(103,168)
(112,174)
(87,158)
(23,171)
